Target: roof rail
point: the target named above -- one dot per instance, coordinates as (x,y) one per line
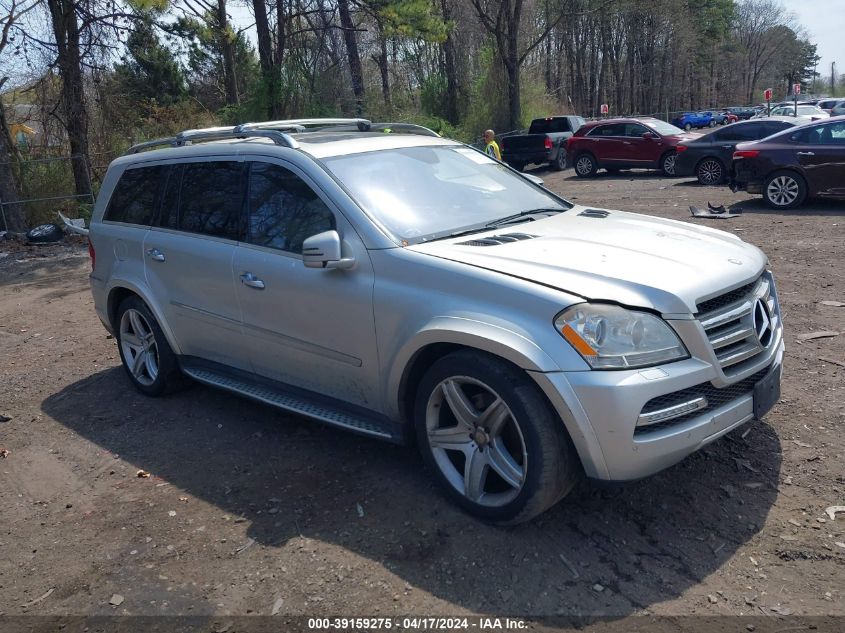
(361,123)
(408,128)
(217,134)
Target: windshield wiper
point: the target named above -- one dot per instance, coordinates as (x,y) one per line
(509,219)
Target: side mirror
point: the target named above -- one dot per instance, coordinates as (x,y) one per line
(324,251)
(648,136)
(535,179)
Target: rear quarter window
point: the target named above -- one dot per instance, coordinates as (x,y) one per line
(136,196)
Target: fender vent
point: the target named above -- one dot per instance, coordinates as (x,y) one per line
(594,213)
(496,240)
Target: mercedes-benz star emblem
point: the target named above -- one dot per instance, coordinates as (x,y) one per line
(762,323)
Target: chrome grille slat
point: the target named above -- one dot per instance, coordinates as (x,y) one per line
(729,322)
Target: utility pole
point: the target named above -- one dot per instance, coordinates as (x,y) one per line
(832,78)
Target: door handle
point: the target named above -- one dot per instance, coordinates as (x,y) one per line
(806,153)
(248,279)
(155,254)
(626,142)
(727,147)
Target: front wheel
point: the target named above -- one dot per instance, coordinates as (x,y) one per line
(687,126)
(784,190)
(585,166)
(493,442)
(667,163)
(712,123)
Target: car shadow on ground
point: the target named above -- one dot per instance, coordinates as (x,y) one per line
(643,543)
(625,174)
(811,207)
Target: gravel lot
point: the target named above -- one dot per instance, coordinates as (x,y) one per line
(248,510)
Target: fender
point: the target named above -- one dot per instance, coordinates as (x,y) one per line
(486,337)
(144,293)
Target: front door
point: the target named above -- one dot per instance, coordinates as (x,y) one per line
(311,328)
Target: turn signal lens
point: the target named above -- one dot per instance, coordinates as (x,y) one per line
(681,148)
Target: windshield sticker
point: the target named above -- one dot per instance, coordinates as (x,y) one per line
(474,156)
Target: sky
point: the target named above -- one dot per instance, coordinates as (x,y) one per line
(824,21)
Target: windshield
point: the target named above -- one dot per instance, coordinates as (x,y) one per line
(663,128)
(423,193)
(802,110)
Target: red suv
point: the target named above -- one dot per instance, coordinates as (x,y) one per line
(615,144)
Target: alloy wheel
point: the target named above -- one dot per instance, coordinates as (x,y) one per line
(584,165)
(710,172)
(476,441)
(138,344)
(783,190)
(669,164)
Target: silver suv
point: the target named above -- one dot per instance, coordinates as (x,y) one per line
(397,284)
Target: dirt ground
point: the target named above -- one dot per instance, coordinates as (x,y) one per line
(249,510)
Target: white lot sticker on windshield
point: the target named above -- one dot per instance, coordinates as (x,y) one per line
(478,157)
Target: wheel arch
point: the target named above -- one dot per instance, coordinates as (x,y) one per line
(119,291)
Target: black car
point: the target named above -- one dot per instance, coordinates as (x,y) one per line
(788,167)
(743,112)
(709,157)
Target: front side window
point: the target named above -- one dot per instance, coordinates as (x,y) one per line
(283,209)
(422,193)
(635,129)
(211,199)
(136,196)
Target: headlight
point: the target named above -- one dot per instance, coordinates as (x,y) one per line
(611,337)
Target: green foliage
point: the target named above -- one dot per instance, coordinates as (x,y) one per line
(149,69)
(411,19)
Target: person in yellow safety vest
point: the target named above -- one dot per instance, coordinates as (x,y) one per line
(491,147)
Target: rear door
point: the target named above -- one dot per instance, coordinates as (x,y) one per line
(188,259)
(311,328)
(607,143)
(823,159)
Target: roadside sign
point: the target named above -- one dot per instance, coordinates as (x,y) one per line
(604,108)
(796,89)
(767,94)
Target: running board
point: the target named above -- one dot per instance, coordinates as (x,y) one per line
(281,396)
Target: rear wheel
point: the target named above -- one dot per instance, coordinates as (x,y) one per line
(712,123)
(493,442)
(667,163)
(687,126)
(585,165)
(784,190)
(710,171)
(559,163)
(147,357)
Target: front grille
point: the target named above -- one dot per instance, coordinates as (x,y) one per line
(716,397)
(736,334)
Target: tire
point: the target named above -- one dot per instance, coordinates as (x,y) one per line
(712,123)
(45,234)
(784,190)
(585,165)
(687,126)
(710,171)
(559,163)
(147,357)
(522,459)
(667,163)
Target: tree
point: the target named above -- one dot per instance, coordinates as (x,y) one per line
(149,69)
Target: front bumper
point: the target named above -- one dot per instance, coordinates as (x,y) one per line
(601,411)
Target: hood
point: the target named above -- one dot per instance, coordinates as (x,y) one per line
(635,260)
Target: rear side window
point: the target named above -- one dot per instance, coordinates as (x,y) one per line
(742,132)
(210,199)
(283,209)
(136,197)
(611,129)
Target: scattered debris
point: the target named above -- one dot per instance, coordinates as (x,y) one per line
(250,542)
(3,453)
(832,361)
(753,561)
(794,522)
(840,544)
(801,444)
(222,628)
(781,610)
(833,304)
(142,474)
(717,213)
(116,600)
(832,510)
(76,225)
(598,588)
(39,598)
(788,537)
(809,336)
(360,510)
(713,599)
(171,513)
(183,499)
(4,418)
(569,566)
(277,606)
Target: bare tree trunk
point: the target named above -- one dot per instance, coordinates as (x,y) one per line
(230,77)
(381,62)
(66,31)
(450,69)
(269,69)
(355,70)
(9,186)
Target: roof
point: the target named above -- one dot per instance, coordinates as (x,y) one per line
(644,119)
